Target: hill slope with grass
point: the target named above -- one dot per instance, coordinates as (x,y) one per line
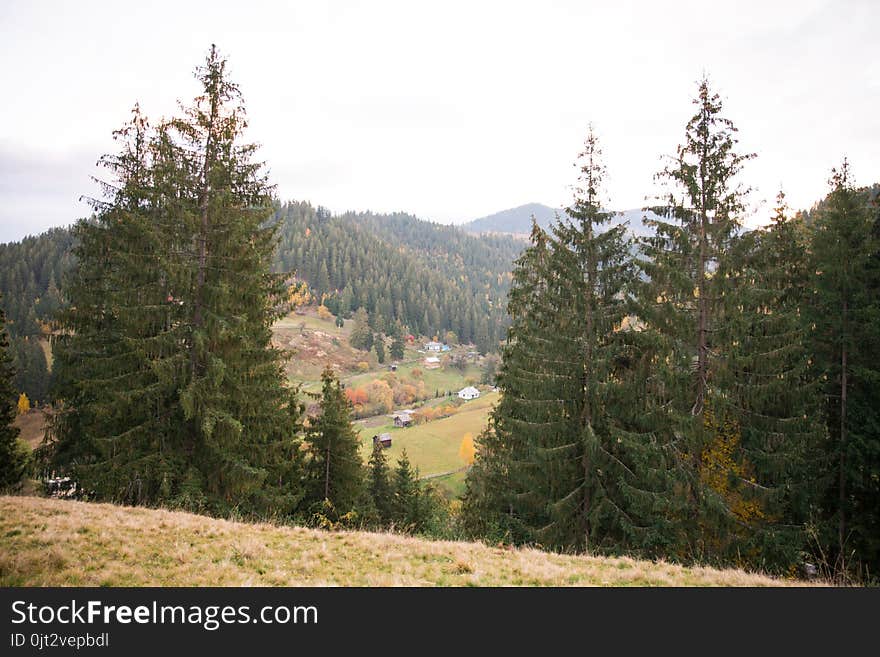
(46,542)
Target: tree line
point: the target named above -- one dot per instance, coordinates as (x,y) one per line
(705,394)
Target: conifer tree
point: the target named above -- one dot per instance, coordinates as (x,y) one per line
(397,347)
(686,304)
(11,456)
(773,398)
(408,507)
(379,485)
(576,468)
(170,385)
(379,344)
(335,468)
(361,336)
(844,311)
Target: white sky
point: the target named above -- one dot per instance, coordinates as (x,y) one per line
(449,110)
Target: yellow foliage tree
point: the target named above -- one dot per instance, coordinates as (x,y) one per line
(466,450)
(24,404)
(298,294)
(324,312)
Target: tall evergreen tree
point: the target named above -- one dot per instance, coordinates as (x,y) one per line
(361,336)
(379,485)
(408,503)
(687,303)
(11,455)
(576,463)
(335,469)
(171,387)
(379,344)
(773,397)
(844,311)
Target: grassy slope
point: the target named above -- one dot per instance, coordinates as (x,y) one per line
(433,447)
(46,542)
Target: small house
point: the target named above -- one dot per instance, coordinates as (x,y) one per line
(383,439)
(432,362)
(468,393)
(433,346)
(403,419)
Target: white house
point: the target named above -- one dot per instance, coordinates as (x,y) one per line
(433,346)
(468,393)
(432,362)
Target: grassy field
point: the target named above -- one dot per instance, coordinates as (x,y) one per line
(45,542)
(433,447)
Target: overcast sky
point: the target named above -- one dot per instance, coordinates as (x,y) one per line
(449,110)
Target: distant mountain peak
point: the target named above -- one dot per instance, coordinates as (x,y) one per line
(518,220)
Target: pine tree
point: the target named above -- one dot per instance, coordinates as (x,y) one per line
(11,455)
(170,385)
(379,485)
(361,336)
(335,469)
(408,507)
(773,402)
(397,348)
(686,305)
(844,312)
(574,465)
(379,344)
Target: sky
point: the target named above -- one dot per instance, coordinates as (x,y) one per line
(450,111)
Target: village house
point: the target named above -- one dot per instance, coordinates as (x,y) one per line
(432,362)
(433,346)
(383,439)
(468,393)
(403,418)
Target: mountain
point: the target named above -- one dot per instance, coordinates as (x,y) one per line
(518,221)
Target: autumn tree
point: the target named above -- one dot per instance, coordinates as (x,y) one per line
(24,404)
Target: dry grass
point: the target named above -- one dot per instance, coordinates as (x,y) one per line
(45,542)
(33,427)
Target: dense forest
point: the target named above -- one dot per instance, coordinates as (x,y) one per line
(432,278)
(698,393)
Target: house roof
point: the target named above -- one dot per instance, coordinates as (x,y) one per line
(470,390)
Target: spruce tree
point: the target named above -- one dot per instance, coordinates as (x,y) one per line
(379,485)
(170,386)
(773,398)
(11,455)
(379,344)
(686,304)
(361,336)
(565,451)
(408,507)
(334,469)
(843,312)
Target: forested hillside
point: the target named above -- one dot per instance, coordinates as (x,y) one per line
(432,278)
(31,272)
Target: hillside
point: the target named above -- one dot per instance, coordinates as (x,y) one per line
(46,542)
(518,220)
